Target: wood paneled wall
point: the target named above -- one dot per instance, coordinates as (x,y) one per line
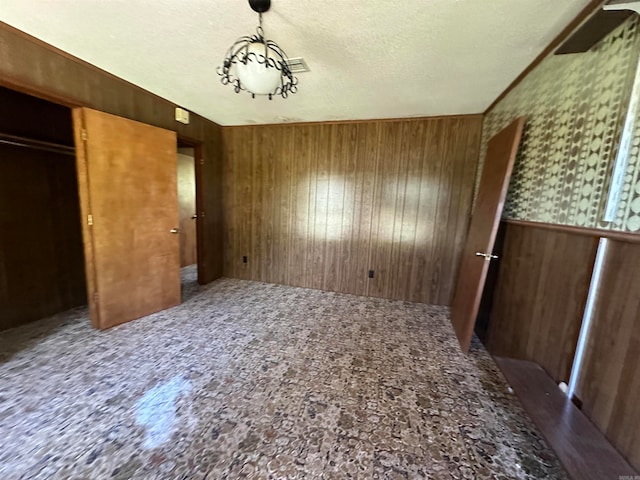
(32,66)
(41,260)
(319,205)
(543,281)
(609,384)
(31,117)
(539,299)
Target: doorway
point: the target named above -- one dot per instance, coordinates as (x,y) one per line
(187,206)
(128,183)
(42,253)
(188,218)
(41,256)
(129,207)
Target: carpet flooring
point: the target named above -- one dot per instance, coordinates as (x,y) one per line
(249,380)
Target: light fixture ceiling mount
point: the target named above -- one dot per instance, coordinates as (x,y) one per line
(257,65)
(260,6)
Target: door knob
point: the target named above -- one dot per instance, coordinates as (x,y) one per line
(175,230)
(487,256)
(194,216)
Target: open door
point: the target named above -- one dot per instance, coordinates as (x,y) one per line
(129,212)
(478,252)
(187,206)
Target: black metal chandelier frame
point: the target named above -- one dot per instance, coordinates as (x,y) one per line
(273,57)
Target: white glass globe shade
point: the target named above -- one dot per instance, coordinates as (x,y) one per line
(255,76)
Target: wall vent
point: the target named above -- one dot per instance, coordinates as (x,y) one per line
(297,65)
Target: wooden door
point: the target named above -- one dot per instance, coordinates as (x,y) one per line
(128,201)
(498,165)
(187,205)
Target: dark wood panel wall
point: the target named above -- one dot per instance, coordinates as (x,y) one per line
(539,299)
(609,385)
(319,205)
(41,260)
(543,281)
(27,116)
(32,66)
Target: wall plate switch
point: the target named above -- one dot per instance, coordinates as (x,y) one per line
(182,115)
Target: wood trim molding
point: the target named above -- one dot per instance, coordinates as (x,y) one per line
(42,93)
(590,232)
(583,450)
(365,120)
(582,17)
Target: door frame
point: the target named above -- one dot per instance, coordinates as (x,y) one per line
(198,160)
(49,94)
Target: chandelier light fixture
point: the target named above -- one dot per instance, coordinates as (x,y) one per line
(257,65)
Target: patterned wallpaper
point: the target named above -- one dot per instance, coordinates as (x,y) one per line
(628,215)
(575,105)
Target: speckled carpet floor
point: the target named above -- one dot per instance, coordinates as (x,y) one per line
(258,381)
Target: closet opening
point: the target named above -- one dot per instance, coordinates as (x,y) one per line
(41,253)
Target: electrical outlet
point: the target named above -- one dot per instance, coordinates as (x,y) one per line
(244,259)
(371,273)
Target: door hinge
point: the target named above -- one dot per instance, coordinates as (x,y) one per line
(96,298)
(202,161)
(89,219)
(83,134)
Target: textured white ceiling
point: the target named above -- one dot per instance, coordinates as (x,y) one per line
(368,59)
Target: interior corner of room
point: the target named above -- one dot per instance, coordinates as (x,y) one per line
(521,221)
